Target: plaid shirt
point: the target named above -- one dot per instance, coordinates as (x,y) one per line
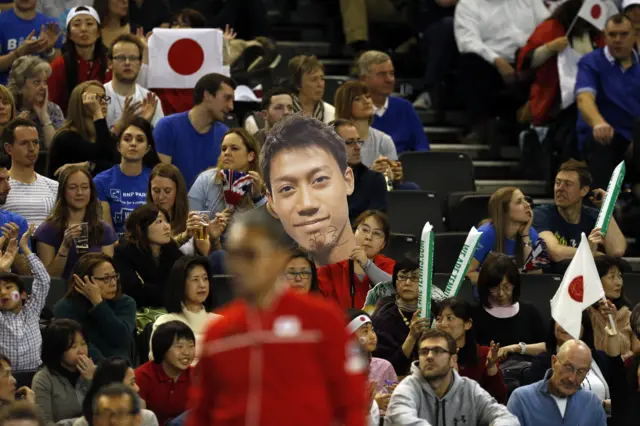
(20,338)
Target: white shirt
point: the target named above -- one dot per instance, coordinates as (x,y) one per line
(562,404)
(593,384)
(380,111)
(496,28)
(117,104)
(33,201)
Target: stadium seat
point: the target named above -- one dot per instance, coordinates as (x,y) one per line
(24,378)
(57,290)
(408,211)
(440,172)
(401,244)
(446,248)
(466,209)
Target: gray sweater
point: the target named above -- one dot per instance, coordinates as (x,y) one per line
(55,396)
(414,403)
(378,143)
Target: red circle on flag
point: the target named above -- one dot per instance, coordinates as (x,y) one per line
(185,56)
(576,288)
(596,11)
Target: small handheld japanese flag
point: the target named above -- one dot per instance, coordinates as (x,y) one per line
(179,57)
(580,288)
(595,12)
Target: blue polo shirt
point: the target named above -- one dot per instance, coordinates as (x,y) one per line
(617,92)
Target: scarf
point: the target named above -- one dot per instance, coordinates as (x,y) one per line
(318,111)
(406,307)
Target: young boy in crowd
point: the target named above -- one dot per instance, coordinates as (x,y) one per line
(20,338)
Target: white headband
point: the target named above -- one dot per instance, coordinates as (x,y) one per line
(357,322)
(90,11)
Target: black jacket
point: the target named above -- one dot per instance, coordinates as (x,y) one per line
(369,192)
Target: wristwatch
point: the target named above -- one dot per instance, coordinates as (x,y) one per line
(523,348)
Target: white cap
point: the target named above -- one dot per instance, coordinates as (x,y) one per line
(627,3)
(75,12)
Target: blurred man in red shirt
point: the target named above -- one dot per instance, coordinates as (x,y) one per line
(275,357)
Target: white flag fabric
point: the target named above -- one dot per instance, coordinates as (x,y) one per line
(179,57)
(580,288)
(568,72)
(595,12)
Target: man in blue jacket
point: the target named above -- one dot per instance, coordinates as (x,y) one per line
(559,399)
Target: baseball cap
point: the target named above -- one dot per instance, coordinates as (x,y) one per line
(83,10)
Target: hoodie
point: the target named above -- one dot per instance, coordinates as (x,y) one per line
(414,403)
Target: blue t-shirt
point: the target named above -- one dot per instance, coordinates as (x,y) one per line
(123,193)
(547,218)
(190,151)
(13,31)
(617,92)
(488,241)
(6,217)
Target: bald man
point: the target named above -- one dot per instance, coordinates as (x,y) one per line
(559,399)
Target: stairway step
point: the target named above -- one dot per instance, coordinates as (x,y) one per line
(496,169)
(318,48)
(528,187)
(443,134)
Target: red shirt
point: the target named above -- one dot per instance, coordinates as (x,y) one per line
(492,384)
(334,282)
(58,91)
(166,398)
(290,365)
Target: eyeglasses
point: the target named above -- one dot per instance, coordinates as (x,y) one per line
(351,142)
(292,275)
(104,99)
(570,369)
(375,233)
(117,415)
(436,350)
(413,277)
(506,288)
(123,58)
(107,279)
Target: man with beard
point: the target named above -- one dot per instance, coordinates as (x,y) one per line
(608,99)
(436,391)
(274,356)
(128,99)
(561,224)
(191,140)
(559,399)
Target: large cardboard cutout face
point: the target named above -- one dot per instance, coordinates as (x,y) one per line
(308,187)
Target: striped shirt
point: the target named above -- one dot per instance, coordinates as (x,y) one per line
(33,201)
(20,338)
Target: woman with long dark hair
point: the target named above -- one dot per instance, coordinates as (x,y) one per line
(146,256)
(84,56)
(112,370)
(508,229)
(301,272)
(95,300)
(476,362)
(76,207)
(122,188)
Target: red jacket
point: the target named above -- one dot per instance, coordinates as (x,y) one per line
(492,384)
(334,282)
(291,365)
(166,398)
(58,91)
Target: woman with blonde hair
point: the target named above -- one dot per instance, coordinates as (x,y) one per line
(307,77)
(508,229)
(29,86)
(7,107)
(84,139)
(240,152)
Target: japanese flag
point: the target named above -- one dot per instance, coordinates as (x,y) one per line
(580,288)
(179,57)
(595,12)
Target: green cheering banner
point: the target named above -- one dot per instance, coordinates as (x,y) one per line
(426,271)
(609,203)
(462,264)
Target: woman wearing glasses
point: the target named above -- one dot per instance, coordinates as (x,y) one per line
(508,229)
(397,319)
(500,317)
(59,237)
(96,302)
(301,273)
(84,139)
(349,281)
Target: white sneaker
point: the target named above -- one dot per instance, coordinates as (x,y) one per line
(423,101)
